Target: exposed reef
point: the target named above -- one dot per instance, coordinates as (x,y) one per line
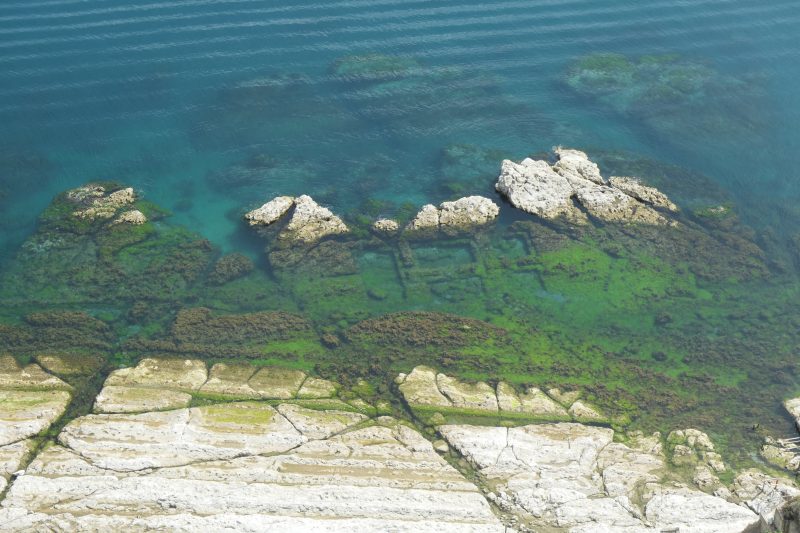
(551,191)
(308,224)
(452,218)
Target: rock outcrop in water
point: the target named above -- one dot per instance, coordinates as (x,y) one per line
(453,218)
(309,222)
(573,188)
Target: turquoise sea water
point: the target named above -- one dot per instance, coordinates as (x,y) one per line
(166,95)
(209,108)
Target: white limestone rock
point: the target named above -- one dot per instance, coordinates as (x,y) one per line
(167,373)
(611,205)
(572,477)
(764,494)
(553,191)
(536,188)
(793,407)
(479,396)
(466,213)
(386,226)
(536,402)
(311,222)
(419,388)
(116,399)
(144,441)
(576,166)
(425,222)
(133,217)
(12,457)
(270,212)
(104,205)
(585,412)
(649,195)
(30,400)
(244,467)
(277,383)
(689,510)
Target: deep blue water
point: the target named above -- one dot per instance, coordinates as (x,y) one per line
(163,94)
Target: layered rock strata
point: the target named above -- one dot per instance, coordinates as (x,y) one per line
(573,187)
(164,384)
(30,401)
(428,392)
(576,478)
(244,466)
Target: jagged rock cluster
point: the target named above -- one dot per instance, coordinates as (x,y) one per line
(452,218)
(573,188)
(309,223)
(434,395)
(95,202)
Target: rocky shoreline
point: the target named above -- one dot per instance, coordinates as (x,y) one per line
(173,444)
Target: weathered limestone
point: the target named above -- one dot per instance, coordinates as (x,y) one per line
(649,195)
(793,406)
(466,213)
(116,399)
(555,191)
(694,448)
(12,456)
(453,218)
(420,388)
(426,220)
(30,400)
(70,365)
(270,212)
(576,166)
(104,205)
(575,478)
(386,226)
(764,494)
(428,392)
(310,222)
(164,384)
(244,466)
(133,217)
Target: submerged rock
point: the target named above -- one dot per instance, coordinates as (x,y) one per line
(133,217)
(102,204)
(386,226)
(574,184)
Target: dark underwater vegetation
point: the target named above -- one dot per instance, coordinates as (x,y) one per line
(662,327)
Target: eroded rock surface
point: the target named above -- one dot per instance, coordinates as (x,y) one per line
(427,392)
(164,384)
(309,222)
(576,478)
(574,184)
(453,218)
(30,401)
(244,466)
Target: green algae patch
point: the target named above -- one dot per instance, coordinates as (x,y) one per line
(250,415)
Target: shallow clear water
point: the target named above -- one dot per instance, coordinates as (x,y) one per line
(211,107)
(140,92)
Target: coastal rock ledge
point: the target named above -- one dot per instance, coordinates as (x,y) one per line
(574,189)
